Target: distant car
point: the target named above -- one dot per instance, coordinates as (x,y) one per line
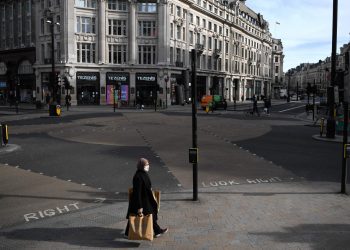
(218,102)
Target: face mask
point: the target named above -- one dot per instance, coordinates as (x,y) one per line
(146,168)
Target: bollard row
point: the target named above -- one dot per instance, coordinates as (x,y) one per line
(4,135)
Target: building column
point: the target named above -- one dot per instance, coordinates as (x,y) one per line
(69,51)
(207,85)
(103,87)
(132,33)
(102,32)
(163,33)
(132,82)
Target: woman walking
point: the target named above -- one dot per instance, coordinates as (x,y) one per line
(142,200)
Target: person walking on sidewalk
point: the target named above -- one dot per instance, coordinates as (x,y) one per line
(255,106)
(142,200)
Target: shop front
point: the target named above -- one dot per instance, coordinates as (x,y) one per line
(118,87)
(88,88)
(177,89)
(249,87)
(146,87)
(26,88)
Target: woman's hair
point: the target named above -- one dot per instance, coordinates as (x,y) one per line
(142,163)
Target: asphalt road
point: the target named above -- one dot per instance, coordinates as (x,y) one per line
(100,150)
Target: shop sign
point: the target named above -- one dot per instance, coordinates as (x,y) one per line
(88,76)
(146,77)
(2,84)
(117,77)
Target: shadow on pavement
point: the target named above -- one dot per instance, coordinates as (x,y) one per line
(319,236)
(79,236)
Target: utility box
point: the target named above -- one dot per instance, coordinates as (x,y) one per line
(193,155)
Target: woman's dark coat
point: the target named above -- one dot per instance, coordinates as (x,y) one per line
(142,196)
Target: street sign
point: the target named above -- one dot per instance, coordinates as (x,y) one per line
(193,155)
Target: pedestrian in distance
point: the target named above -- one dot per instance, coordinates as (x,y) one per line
(267,105)
(68,100)
(142,200)
(255,106)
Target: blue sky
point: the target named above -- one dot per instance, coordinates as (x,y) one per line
(305,27)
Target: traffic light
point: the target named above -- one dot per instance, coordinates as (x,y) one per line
(57,78)
(66,83)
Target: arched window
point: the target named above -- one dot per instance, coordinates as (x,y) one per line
(25,67)
(3,68)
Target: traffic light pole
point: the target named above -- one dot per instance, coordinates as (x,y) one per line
(345,142)
(194,121)
(330,94)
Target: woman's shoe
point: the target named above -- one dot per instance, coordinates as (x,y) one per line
(162,231)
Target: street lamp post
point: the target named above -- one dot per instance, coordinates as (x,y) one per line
(194,121)
(53,83)
(330,90)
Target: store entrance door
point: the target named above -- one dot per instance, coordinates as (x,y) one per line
(88,95)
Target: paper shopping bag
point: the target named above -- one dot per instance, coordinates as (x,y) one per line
(156,196)
(141,227)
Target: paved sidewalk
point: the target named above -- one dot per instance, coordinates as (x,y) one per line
(300,215)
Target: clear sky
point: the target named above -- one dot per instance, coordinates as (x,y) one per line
(305,27)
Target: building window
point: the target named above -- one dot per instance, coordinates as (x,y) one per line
(117,54)
(178,32)
(147,54)
(171,55)
(147,7)
(191,18)
(42,53)
(191,37)
(204,40)
(209,62)
(147,28)
(178,11)
(184,33)
(42,26)
(117,27)
(276,70)
(209,26)
(276,59)
(197,20)
(86,25)
(226,48)
(226,64)
(121,5)
(172,30)
(178,55)
(58,52)
(210,39)
(86,52)
(85,3)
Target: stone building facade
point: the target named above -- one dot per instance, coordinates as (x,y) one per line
(318,73)
(132,51)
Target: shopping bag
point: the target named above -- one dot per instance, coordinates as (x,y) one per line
(156,196)
(140,227)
